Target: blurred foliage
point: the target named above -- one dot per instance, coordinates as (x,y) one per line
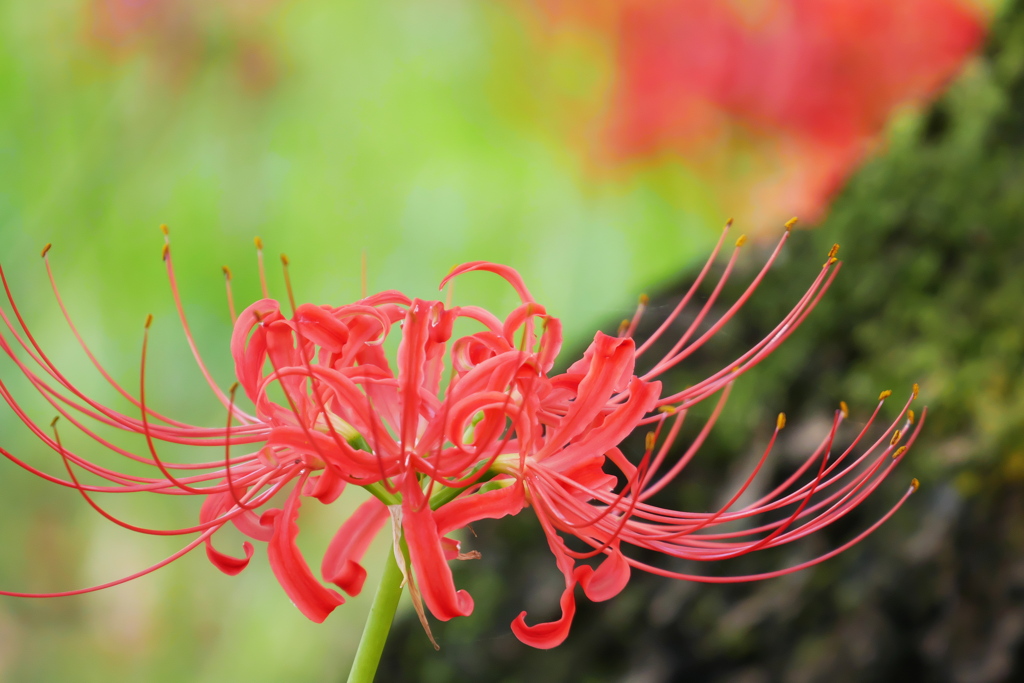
(930,292)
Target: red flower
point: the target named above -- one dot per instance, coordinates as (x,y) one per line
(461,429)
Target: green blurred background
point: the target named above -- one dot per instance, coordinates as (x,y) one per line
(419,132)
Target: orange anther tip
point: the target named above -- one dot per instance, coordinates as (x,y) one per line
(790,223)
(915,484)
(46,249)
(165,252)
(780,421)
(227,272)
(644,299)
(884,395)
(833,251)
(258,242)
(284,259)
(671,410)
(649,440)
(899,451)
(910,416)
(741,241)
(735,368)
(915,389)
(164,229)
(728,223)
(53,422)
(895,438)
(844,409)
(149,320)
(832,261)
(233,388)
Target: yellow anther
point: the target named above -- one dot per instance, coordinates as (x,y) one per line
(165,252)
(623,326)
(649,440)
(149,320)
(844,409)
(884,395)
(644,299)
(258,242)
(227,272)
(780,421)
(735,368)
(895,438)
(164,229)
(728,223)
(915,389)
(910,416)
(790,223)
(898,452)
(284,259)
(915,484)
(670,410)
(833,251)
(741,241)
(53,422)
(46,249)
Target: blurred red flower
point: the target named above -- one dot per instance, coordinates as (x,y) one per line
(819,78)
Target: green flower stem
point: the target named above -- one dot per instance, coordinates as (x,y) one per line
(375,633)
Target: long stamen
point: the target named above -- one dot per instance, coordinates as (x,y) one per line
(172,280)
(288,282)
(227,450)
(145,420)
(231,297)
(259,264)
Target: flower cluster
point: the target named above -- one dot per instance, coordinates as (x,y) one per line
(453,430)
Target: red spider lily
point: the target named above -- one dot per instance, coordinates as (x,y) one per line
(461,429)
